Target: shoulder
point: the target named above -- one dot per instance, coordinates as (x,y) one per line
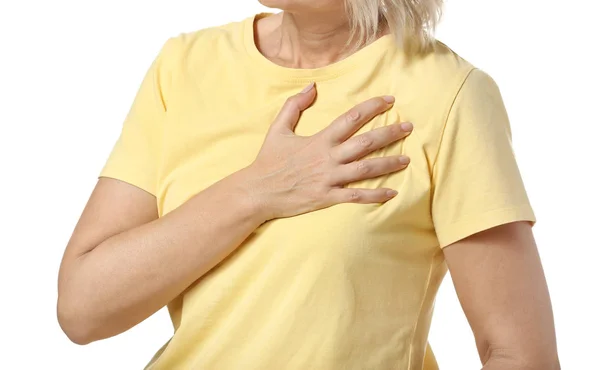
(204,44)
(437,75)
(457,80)
(441,60)
(441,86)
(441,79)
(192,55)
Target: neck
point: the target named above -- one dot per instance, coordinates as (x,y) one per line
(306,40)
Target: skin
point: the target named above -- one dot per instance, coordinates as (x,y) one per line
(502,289)
(117,268)
(123,263)
(308,34)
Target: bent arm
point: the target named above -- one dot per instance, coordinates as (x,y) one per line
(501,286)
(123,263)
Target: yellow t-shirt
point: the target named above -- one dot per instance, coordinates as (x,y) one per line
(347,287)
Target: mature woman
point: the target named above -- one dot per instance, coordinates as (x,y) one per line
(300,237)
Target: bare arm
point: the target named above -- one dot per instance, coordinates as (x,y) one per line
(123,264)
(501,285)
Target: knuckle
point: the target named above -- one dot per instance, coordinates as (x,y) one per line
(395,130)
(380,104)
(362,167)
(352,116)
(291,101)
(329,180)
(365,141)
(331,156)
(354,196)
(393,163)
(320,193)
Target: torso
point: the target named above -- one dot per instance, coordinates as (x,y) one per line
(347,287)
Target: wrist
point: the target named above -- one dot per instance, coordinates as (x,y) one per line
(246,188)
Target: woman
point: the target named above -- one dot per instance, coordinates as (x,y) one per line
(299,237)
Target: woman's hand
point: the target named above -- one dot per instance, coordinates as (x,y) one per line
(295,174)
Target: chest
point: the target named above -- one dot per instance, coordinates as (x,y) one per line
(207,138)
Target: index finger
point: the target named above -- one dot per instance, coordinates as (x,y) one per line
(348,123)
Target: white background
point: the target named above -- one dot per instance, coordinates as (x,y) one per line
(69,71)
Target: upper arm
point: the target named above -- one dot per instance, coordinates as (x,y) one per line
(483,218)
(124,196)
(475,178)
(113,207)
(137,153)
(499,280)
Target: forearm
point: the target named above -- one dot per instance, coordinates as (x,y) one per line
(131,275)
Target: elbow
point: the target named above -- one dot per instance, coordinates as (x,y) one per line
(542,365)
(78,337)
(546,361)
(551,363)
(537,356)
(75,312)
(75,323)
(521,365)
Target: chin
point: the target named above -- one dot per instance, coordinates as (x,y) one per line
(302,5)
(278,4)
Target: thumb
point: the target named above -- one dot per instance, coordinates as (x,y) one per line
(290,113)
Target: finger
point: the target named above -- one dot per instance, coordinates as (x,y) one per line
(368,169)
(364,196)
(290,113)
(363,144)
(350,122)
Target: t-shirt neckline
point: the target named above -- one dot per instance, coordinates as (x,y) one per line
(371,53)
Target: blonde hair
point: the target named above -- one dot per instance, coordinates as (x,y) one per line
(411,22)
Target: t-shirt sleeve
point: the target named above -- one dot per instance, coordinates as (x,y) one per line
(136,154)
(476,182)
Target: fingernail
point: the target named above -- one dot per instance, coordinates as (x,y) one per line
(391,193)
(389,99)
(404,160)
(308,88)
(407,126)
